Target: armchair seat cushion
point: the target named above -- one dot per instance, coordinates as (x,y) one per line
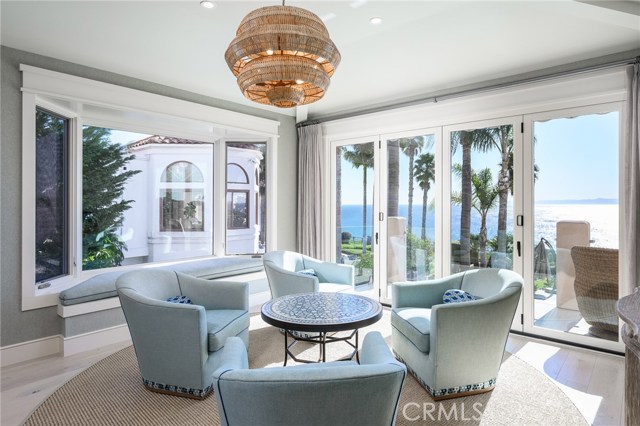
(415,324)
(224,323)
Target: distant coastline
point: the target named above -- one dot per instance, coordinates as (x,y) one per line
(585,201)
(601,213)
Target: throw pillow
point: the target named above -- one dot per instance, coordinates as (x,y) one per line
(180,299)
(457,296)
(309,272)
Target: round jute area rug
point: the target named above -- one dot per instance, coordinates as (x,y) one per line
(111,393)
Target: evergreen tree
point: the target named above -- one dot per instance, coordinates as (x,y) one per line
(104,176)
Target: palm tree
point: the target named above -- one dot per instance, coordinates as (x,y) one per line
(480,139)
(503,141)
(425,174)
(485,193)
(361,155)
(411,147)
(393,154)
(503,136)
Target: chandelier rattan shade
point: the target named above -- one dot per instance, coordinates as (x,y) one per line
(282,56)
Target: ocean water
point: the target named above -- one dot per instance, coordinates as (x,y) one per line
(603,219)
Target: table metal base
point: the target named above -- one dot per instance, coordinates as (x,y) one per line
(321,339)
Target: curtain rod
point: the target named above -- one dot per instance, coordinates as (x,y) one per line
(466,92)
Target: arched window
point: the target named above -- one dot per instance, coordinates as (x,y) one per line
(182,171)
(236,174)
(182,198)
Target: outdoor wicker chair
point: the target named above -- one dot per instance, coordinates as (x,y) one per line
(596,287)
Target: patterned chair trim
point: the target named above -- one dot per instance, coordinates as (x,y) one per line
(450,392)
(178,390)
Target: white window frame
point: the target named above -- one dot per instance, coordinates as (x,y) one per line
(91,102)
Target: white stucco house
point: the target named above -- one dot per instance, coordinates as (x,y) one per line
(172,214)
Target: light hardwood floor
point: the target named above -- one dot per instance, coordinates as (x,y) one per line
(593,381)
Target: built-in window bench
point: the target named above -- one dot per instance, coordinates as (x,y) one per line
(93,316)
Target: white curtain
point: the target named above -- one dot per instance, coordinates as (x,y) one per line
(310,189)
(630,244)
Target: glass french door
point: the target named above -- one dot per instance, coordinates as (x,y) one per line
(572,175)
(484,213)
(537,194)
(353,177)
(409,219)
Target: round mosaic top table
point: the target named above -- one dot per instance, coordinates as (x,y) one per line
(321,313)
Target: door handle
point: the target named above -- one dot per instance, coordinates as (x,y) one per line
(376,238)
(518,248)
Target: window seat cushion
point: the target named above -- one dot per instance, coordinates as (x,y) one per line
(103,286)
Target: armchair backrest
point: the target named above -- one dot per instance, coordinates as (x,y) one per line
(489,282)
(152,283)
(337,393)
(289,260)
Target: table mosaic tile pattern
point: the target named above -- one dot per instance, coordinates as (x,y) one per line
(322,308)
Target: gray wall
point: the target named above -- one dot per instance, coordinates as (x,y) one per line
(18,326)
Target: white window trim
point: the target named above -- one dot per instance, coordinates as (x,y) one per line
(69,96)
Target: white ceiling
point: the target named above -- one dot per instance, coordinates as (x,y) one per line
(421,46)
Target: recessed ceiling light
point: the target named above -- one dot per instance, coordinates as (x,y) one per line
(207,4)
(375,20)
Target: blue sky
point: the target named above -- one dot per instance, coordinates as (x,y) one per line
(577,159)
(124,138)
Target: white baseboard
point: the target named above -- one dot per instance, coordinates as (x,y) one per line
(65,346)
(95,339)
(31,350)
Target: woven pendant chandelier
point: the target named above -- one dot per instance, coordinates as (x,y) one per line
(282,56)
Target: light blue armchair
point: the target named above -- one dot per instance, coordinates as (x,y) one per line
(333,393)
(177,344)
(455,349)
(283,273)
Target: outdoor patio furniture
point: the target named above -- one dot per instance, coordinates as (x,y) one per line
(596,287)
(455,349)
(178,344)
(569,233)
(333,393)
